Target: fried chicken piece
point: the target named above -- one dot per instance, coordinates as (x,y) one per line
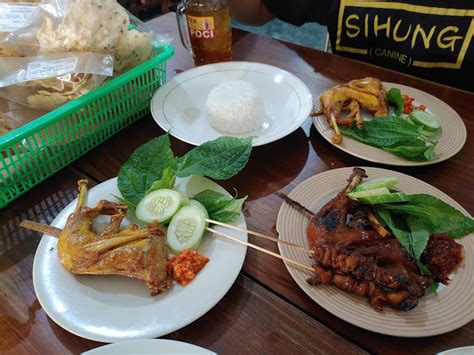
(135,252)
(366,93)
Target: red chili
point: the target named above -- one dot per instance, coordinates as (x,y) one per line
(185,266)
(407,104)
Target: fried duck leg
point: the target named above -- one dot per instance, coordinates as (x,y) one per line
(135,252)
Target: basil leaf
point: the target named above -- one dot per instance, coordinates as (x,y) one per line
(383,131)
(393,134)
(414,242)
(438,216)
(167,181)
(231,212)
(213,201)
(410,150)
(394,97)
(144,167)
(419,236)
(434,287)
(402,236)
(221,207)
(220,159)
(430,153)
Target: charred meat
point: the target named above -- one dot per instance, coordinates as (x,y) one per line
(350,252)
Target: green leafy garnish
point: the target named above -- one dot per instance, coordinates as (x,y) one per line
(438,216)
(167,181)
(221,207)
(144,167)
(219,159)
(154,166)
(414,221)
(394,97)
(414,241)
(396,135)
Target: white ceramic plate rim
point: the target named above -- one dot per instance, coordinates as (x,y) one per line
(226,271)
(149,346)
(378,155)
(296,84)
(465,350)
(348,302)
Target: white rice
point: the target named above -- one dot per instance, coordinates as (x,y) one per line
(235,107)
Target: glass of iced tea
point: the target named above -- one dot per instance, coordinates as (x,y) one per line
(205,30)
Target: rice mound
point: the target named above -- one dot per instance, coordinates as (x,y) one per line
(235,107)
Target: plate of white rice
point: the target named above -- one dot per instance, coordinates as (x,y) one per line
(234,99)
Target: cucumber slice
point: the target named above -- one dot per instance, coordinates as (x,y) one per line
(368,193)
(201,206)
(377,183)
(186,229)
(160,205)
(389,198)
(425,119)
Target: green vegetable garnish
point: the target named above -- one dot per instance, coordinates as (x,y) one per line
(153,165)
(219,159)
(220,207)
(144,167)
(412,222)
(394,98)
(438,216)
(396,135)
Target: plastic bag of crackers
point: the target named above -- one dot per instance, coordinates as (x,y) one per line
(54,51)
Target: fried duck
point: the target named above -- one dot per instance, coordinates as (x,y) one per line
(356,254)
(367,93)
(135,252)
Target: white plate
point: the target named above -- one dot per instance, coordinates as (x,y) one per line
(466,350)
(149,346)
(115,308)
(179,106)
(449,310)
(452,138)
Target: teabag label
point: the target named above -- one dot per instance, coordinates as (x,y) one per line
(52,68)
(13,17)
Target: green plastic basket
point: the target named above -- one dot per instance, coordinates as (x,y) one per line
(31,153)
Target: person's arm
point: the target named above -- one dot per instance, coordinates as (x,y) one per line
(252,12)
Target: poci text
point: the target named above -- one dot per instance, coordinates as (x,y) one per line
(201,34)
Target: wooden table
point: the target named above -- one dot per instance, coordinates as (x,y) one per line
(265,311)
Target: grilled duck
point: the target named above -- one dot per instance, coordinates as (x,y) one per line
(358,257)
(366,93)
(135,252)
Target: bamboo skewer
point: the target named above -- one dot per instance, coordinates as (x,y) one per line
(304,266)
(260,235)
(53,231)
